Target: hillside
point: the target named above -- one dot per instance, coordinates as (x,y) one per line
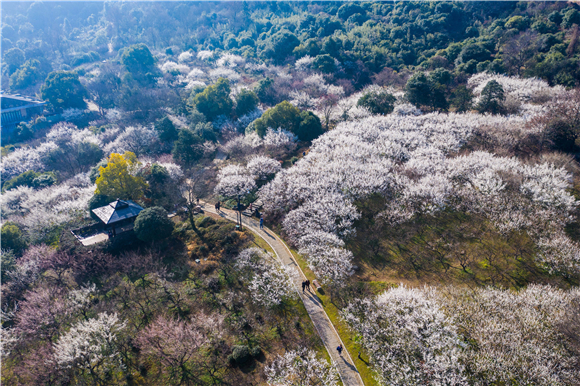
(420,159)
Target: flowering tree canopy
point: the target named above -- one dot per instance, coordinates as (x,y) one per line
(90,344)
(301,368)
(262,166)
(234,181)
(269,282)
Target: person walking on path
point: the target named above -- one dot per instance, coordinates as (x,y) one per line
(303,286)
(339,349)
(308,284)
(218,206)
(262,222)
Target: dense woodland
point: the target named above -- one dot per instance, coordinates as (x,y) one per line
(421,159)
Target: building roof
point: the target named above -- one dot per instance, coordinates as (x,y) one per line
(17,100)
(117,211)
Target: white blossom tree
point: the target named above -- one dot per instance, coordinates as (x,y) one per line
(90,346)
(301,368)
(234,181)
(409,338)
(269,282)
(262,166)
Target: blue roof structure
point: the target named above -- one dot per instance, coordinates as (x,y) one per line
(117,211)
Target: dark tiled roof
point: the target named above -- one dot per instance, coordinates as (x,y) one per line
(117,211)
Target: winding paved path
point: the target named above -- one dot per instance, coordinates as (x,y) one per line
(344,364)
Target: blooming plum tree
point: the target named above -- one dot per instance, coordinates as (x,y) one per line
(262,166)
(234,181)
(269,282)
(301,368)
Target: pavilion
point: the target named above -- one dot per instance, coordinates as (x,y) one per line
(118,216)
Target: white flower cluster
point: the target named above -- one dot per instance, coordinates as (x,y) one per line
(172,67)
(136,139)
(262,166)
(70,114)
(405,160)
(304,63)
(234,181)
(406,109)
(224,72)
(514,335)
(185,57)
(409,338)
(230,60)
(522,89)
(280,139)
(505,337)
(41,210)
(89,343)
(269,282)
(301,367)
(24,159)
(204,55)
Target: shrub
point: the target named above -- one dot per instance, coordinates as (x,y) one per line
(241,354)
(204,222)
(246,101)
(165,129)
(12,238)
(378,102)
(214,100)
(31,179)
(492,98)
(256,351)
(152,224)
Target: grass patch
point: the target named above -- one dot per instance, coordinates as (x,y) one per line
(449,248)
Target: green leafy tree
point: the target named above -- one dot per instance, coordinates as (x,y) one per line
(348,9)
(281,44)
(246,101)
(152,224)
(166,129)
(8,263)
(96,170)
(205,131)
(492,98)
(27,75)
(309,127)
(518,22)
(462,99)
(62,89)
(378,102)
(264,90)
(188,148)
(284,115)
(324,63)
(418,90)
(571,17)
(137,59)
(13,59)
(31,179)
(475,52)
(214,100)
(12,237)
(117,179)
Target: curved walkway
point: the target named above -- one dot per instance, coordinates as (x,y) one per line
(344,364)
